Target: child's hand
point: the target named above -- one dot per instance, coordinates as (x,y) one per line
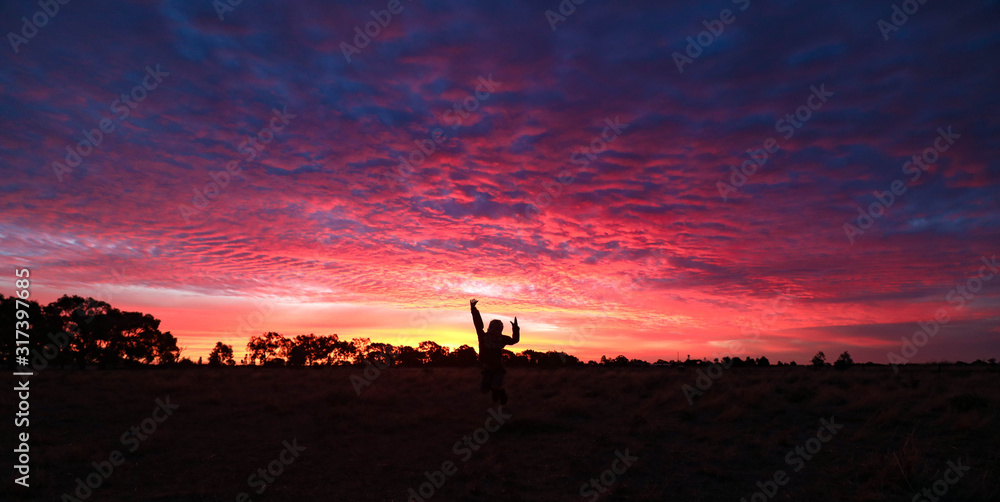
(473,302)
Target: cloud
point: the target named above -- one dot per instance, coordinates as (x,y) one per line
(313,217)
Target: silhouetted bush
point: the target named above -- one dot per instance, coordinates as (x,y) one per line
(844,361)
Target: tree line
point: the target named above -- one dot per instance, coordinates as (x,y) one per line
(81,332)
(274,349)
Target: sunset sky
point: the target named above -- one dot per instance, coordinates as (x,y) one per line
(600,246)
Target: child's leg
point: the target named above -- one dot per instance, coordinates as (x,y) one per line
(499,394)
(487,382)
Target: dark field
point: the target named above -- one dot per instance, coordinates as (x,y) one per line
(898,435)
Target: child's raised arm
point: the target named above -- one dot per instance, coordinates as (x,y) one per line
(517,332)
(476,318)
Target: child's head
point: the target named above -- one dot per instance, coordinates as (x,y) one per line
(496,327)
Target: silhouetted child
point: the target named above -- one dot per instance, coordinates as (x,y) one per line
(491,344)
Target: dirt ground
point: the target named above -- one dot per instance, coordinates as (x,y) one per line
(579,434)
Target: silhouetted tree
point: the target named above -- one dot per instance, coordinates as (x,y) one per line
(167,351)
(221,354)
(514,360)
(297,353)
(134,337)
(39,327)
(464,356)
(267,347)
(361,348)
(409,356)
(433,354)
(819,360)
(85,331)
(550,359)
(534,357)
(335,351)
(305,350)
(82,317)
(844,361)
(763,362)
(567,359)
(380,352)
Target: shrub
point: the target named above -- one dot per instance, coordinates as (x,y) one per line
(843,362)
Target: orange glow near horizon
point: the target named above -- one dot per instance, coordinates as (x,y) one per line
(618,317)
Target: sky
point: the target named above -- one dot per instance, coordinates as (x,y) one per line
(642,178)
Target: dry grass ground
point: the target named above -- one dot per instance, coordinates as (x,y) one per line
(899,432)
